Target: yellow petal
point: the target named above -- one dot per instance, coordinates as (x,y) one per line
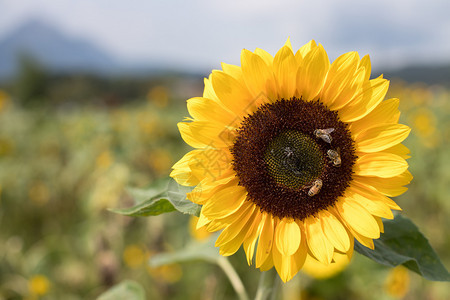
(225,202)
(365,241)
(282,264)
(287,237)
(212,134)
(352,245)
(385,113)
(267,264)
(186,135)
(232,94)
(258,77)
(340,74)
(381,137)
(251,238)
(318,244)
(311,75)
(201,134)
(265,242)
(234,244)
(210,185)
(202,109)
(208,91)
(181,171)
(363,187)
(268,59)
(383,165)
(304,50)
(233,229)
(400,150)
(298,58)
(221,223)
(391,187)
(358,218)
(372,94)
(334,231)
(299,257)
(374,207)
(211,164)
(380,224)
(285,69)
(348,90)
(233,71)
(202,221)
(365,63)
(288,44)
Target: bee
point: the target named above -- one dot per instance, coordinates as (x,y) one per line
(324,134)
(289,161)
(335,157)
(288,152)
(315,189)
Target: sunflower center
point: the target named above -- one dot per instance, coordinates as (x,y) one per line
(293,159)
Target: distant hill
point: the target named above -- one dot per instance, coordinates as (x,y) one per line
(426,74)
(53,49)
(59,52)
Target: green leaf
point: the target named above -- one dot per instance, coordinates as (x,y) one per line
(194,251)
(177,196)
(403,243)
(127,289)
(151,207)
(163,197)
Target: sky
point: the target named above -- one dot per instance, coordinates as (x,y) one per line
(199,34)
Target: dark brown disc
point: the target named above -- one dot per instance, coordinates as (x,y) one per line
(278,156)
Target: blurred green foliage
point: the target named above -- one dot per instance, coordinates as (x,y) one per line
(67,152)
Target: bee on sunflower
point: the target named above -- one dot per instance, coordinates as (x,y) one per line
(295,157)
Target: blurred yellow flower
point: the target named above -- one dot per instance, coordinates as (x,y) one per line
(39,285)
(159,95)
(134,256)
(168,273)
(6,147)
(120,119)
(397,282)
(160,161)
(424,122)
(199,234)
(104,160)
(109,187)
(147,122)
(4,99)
(319,270)
(39,193)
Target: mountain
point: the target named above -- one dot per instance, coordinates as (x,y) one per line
(53,49)
(439,75)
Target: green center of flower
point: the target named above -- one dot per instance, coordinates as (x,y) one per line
(294,159)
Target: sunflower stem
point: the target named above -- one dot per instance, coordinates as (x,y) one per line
(236,282)
(276,287)
(268,285)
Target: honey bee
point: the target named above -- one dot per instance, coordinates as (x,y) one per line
(289,161)
(315,189)
(334,157)
(288,152)
(324,134)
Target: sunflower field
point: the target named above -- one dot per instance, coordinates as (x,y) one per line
(63,165)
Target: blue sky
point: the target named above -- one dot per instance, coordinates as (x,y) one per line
(199,34)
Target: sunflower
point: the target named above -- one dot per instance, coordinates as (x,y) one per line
(294,157)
